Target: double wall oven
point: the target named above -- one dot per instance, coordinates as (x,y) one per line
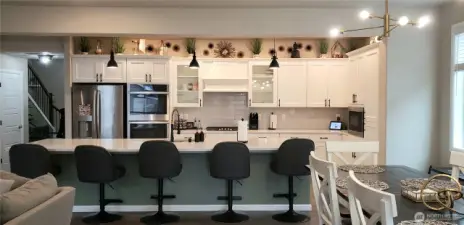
(148,110)
(356,121)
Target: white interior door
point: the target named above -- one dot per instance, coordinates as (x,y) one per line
(11,113)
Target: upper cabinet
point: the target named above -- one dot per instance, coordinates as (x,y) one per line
(327,83)
(185,84)
(94,70)
(262,85)
(291,84)
(147,71)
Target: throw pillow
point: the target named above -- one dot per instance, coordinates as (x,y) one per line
(5,185)
(29,195)
(18,180)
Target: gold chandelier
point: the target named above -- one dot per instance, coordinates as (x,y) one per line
(389,23)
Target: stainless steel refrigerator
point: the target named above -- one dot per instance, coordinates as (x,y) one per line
(98,110)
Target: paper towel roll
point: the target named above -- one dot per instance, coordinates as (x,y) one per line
(272,122)
(242,132)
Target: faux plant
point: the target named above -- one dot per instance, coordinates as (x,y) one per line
(118,46)
(190,45)
(84,44)
(256,46)
(323,47)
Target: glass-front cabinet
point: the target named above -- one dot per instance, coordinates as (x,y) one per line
(263,85)
(187,85)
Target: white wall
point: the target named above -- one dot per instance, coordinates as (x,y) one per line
(52,76)
(450,14)
(411,64)
(31,44)
(19,64)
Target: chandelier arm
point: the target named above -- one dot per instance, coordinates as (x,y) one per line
(390,29)
(376,17)
(367,28)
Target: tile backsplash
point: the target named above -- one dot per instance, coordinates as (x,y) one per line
(224,109)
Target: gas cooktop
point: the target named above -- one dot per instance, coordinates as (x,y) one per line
(222,128)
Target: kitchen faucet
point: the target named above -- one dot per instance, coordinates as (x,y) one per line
(172,123)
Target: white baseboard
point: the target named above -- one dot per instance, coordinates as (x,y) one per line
(190,208)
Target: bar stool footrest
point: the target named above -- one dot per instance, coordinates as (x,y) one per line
(226,198)
(164,196)
(284,195)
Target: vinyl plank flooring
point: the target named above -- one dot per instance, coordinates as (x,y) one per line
(200,218)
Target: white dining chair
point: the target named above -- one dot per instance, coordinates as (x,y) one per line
(325,192)
(381,205)
(457,163)
(366,149)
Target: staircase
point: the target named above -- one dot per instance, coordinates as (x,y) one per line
(44,117)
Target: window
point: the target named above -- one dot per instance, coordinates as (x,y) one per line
(457,97)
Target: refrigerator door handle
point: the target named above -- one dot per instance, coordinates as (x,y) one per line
(98,114)
(94,114)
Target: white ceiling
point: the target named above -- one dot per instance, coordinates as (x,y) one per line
(224,3)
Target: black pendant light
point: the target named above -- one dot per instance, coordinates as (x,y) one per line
(194,63)
(112,63)
(274,64)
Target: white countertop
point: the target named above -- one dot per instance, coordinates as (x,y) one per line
(64,146)
(292,131)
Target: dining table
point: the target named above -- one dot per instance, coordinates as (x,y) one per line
(406,208)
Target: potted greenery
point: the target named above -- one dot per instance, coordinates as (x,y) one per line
(323,48)
(256,46)
(118,46)
(190,46)
(84,45)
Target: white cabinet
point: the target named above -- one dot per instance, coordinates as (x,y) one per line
(186,86)
(85,70)
(291,84)
(262,135)
(232,69)
(147,71)
(93,69)
(327,84)
(262,85)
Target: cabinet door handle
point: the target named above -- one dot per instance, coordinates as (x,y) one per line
(96,77)
(146,77)
(249,102)
(355,96)
(279,102)
(200,102)
(323,138)
(101,77)
(325,102)
(150,77)
(329,102)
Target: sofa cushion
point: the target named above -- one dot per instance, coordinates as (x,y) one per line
(26,197)
(5,185)
(18,180)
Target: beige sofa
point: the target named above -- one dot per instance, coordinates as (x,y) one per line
(55,211)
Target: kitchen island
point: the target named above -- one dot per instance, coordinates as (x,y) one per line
(195,189)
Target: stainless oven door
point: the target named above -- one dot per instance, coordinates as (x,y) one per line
(148,129)
(148,102)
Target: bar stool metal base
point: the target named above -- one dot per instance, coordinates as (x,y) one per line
(101,217)
(230,217)
(159,218)
(290,217)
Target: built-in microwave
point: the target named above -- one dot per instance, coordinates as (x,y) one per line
(148,129)
(356,121)
(148,102)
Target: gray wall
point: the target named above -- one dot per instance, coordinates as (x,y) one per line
(450,14)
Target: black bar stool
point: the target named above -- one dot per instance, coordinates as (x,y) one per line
(31,161)
(159,160)
(290,160)
(96,165)
(230,161)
